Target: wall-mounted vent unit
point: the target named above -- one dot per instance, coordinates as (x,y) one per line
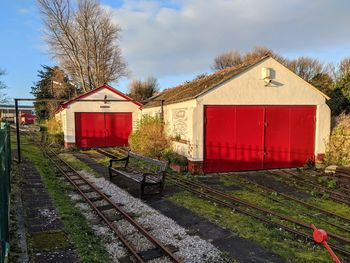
(266,73)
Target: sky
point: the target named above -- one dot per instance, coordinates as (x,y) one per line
(176,40)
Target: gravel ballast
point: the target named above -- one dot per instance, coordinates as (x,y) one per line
(191,248)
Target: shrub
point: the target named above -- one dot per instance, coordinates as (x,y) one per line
(175,158)
(339,143)
(54,131)
(149,137)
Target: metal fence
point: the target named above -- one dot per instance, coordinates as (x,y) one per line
(5,169)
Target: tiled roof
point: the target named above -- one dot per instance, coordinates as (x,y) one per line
(192,89)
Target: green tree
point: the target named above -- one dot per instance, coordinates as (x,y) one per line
(52,84)
(323,81)
(340,96)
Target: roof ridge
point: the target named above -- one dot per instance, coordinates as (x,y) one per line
(190,89)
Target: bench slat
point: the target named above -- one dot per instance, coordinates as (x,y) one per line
(136,176)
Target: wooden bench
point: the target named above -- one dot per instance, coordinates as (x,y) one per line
(144,176)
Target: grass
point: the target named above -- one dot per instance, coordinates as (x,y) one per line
(290,208)
(273,239)
(87,245)
(77,164)
(278,241)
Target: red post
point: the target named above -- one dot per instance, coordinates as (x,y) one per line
(320,236)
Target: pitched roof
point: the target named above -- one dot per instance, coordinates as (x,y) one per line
(86,94)
(193,89)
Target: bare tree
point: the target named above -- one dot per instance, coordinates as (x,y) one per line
(307,68)
(227,59)
(3,97)
(141,90)
(344,67)
(84,41)
(234,58)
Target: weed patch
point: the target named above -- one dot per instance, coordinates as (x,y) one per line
(88,246)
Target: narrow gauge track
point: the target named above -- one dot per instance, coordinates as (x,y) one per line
(237,204)
(244,207)
(336,176)
(292,198)
(85,188)
(336,196)
(341,190)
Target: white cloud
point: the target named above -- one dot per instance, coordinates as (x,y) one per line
(159,40)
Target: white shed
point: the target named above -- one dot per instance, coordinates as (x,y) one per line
(90,120)
(250,117)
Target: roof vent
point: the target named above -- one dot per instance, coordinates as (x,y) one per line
(266,75)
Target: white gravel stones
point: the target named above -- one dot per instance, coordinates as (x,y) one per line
(76,197)
(50,215)
(192,249)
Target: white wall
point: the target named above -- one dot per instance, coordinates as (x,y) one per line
(179,122)
(248,88)
(68,119)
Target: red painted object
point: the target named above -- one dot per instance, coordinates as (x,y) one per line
(95,129)
(320,236)
(258,137)
(27,118)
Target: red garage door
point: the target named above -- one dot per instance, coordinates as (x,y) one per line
(102,129)
(258,137)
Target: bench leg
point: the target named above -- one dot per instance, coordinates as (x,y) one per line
(110,174)
(142,190)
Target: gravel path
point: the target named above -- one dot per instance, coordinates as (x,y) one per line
(191,249)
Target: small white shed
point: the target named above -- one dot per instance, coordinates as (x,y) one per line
(249,117)
(90,120)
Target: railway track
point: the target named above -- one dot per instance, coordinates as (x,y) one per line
(299,201)
(336,176)
(336,196)
(93,195)
(264,215)
(267,193)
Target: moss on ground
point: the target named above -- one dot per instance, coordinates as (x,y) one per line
(49,240)
(87,245)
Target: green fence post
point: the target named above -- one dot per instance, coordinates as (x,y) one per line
(5,171)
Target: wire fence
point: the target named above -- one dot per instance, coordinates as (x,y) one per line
(5,170)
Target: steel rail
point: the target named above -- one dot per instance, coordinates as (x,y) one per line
(235,199)
(259,208)
(269,190)
(318,186)
(338,197)
(209,197)
(114,229)
(186,185)
(140,228)
(108,154)
(266,188)
(340,189)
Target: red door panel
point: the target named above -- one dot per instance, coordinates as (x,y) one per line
(258,137)
(249,138)
(118,128)
(277,137)
(102,129)
(219,139)
(90,129)
(233,138)
(302,140)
